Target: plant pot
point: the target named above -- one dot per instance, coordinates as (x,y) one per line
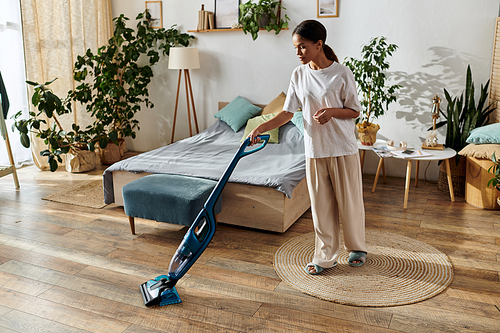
(367,133)
(112,153)
(264,20)
(458,176)
(81,161)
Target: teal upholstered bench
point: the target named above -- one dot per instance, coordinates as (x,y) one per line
(167,198)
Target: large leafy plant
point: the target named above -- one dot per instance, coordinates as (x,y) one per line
(264,14)
(113,86)
(463,114)
(370,76)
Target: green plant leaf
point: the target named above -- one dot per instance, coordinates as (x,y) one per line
(25,140)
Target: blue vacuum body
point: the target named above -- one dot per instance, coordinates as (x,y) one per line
(161,290)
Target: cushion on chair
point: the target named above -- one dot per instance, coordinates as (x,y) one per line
(168,198)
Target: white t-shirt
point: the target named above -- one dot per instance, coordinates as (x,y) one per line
(331,87)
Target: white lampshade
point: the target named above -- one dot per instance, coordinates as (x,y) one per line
(183,58)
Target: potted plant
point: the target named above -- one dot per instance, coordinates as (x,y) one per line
(369,73)
(495,170)
(264,14)
(462,115)
(113,86)
(45,124)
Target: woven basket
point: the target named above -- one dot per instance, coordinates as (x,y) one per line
(477,191)
(458,177)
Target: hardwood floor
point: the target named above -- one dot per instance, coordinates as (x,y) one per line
(65,268)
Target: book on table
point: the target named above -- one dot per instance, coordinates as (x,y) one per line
(411,153)
(383,152)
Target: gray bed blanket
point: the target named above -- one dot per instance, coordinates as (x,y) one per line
(207,154)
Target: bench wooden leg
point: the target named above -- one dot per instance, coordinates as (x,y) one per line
(132,224)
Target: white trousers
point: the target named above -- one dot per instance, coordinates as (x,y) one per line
(336,191)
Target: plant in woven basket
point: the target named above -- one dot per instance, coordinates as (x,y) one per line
(463,114)
(495,170)
(370,76)
(113,86)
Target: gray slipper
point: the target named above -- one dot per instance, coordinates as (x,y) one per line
(318,268)
(357,255)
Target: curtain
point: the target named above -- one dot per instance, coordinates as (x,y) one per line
(55,33)
(13,74)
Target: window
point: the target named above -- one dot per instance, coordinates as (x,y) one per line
(12,67)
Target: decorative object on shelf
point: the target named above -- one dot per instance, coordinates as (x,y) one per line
(462,115)
(112,86)
(205,20)
(265,14)
(369,73)
(431,137)
(328,8)
(226,13)
(154,8)
(184,59)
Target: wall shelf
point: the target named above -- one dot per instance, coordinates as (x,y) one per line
(226,29)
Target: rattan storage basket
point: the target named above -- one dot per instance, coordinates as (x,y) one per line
(477,193)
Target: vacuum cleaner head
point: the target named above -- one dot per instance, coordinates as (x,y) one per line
(160,291)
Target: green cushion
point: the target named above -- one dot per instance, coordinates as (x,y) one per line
(168,198)
(298,121)
(236,113)
(256,121)
(485,134)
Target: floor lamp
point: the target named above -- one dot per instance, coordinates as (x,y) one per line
(184,59)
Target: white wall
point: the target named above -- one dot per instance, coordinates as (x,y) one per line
(436,39)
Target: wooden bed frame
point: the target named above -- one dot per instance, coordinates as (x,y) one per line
(244,205)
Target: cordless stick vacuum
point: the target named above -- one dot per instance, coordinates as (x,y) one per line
(161,290)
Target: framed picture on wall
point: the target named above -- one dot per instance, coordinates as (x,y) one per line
(154,8)
(226,13)
(328,8)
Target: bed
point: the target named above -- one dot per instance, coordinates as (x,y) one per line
(266,191)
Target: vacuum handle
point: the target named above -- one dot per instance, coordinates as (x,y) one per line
(264,137)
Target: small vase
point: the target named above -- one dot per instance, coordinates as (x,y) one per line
(367,133)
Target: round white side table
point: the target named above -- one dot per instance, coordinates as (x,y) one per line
(436,155)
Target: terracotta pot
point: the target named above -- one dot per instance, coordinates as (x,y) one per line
(367,133)
(112,153)
(81,161)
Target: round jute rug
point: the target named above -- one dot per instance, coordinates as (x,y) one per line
(398,270)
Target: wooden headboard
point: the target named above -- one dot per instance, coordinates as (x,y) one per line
(223,104)
(495,74)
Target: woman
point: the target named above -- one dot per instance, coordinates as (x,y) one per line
(326,92)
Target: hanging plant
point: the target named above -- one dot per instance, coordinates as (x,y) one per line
(265,14)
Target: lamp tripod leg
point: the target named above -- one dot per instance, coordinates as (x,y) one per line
(192,101)
(176,104)
(186,75)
